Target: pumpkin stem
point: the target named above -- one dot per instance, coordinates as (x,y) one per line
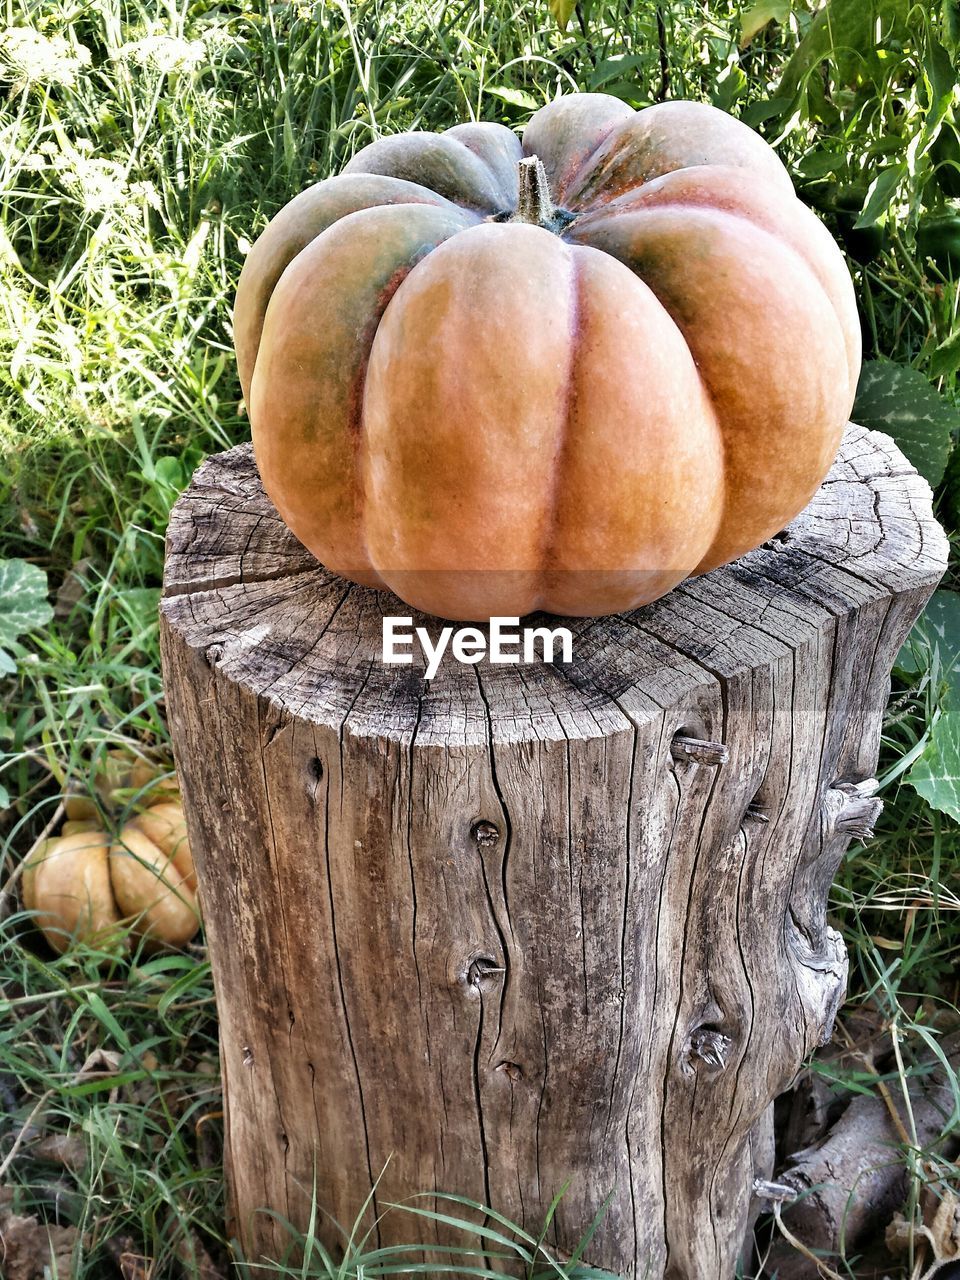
(534,204)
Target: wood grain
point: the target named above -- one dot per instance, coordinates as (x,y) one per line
(497,931)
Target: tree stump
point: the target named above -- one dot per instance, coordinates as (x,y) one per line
(524,925)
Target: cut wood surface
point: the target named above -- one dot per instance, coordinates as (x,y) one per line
(504,929)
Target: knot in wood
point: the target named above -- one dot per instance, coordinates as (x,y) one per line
(481,969)
(711,1046)
(851,809)
(485,833)
(512,1070)
(699,750)
(756,813)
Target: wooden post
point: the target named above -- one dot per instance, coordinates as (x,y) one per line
(522,925)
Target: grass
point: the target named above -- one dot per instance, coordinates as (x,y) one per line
(142,147)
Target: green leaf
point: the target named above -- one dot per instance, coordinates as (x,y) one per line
(628,91)
(946,358)
(936,775)
(881,193)
(841,32)
(729,87)
(757,113)
(901,402)
(934,645)
(951,22)
(841,25)
(937,628)
(615,68)
(515,97)
(562,11)
(761,15)
(819,163)
(940,71)
(23,604)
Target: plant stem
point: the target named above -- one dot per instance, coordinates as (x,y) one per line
(534,204)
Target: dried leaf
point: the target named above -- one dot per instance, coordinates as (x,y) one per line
(29,1248)
(898,1235)
(71,590)
(68,1149)
(938,1235)
(100,1063)
(196,1260)
(131,1264)
(941,1223)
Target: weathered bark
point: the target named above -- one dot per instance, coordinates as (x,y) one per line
(852,1180)
(504,929)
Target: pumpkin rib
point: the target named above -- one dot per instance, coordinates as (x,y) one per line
(548,134)
(556,490)
(619,167)
(309,383)
(707,269)
(623,536)
(70,890)
(165,825)
(474,134)
(292,230)
(150,890)
(435,161)
(461,429)
(768,210)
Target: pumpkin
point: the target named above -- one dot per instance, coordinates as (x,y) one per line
(562,373)
(86,886)
(119,775)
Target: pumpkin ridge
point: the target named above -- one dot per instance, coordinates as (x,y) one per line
(294,226)
(578,176)
(712,211)
(306,389)
(484,160)
(595,217)
(551,505)
(564,181)
(685,324)
(680,262)
(399,154)
(717,133)
(357,420)
(585,163)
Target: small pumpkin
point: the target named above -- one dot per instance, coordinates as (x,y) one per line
(85,886)
(119,775)
(563,372)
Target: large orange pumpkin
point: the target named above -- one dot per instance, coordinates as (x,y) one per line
(561,374)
